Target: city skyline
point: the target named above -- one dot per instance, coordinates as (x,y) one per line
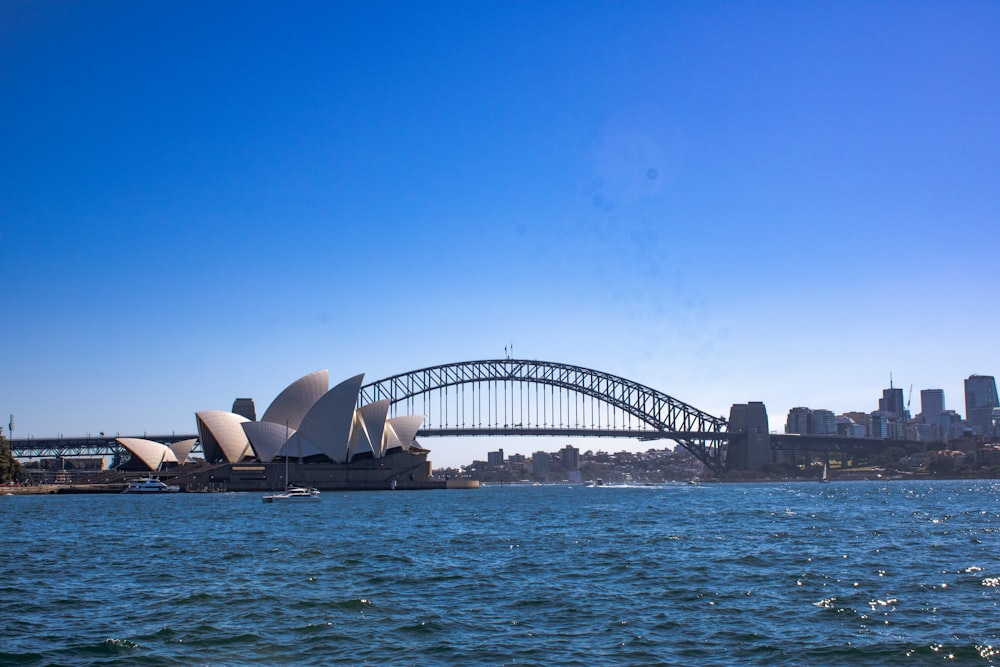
(460,451)
(727,203)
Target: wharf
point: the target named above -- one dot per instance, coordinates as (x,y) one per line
(51,489)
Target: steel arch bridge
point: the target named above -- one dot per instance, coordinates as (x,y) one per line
(522,397)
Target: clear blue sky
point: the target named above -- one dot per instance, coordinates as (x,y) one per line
(726,201)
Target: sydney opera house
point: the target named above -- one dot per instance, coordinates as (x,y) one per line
(319,435)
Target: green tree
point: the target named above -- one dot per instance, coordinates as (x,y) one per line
(891,455)
(10,468)
(940,465)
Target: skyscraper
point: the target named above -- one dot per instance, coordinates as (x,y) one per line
(570,457)
(799,421)
(980,399)
(892,401)
(931,404)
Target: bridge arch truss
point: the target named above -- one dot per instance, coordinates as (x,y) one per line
(522,397)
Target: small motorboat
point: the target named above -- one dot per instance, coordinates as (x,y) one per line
(150,485)
(296,493)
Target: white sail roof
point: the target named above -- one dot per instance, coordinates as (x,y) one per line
(294,402)
(327,425)
(373,415)
(182,449)
(389,439)
(266,438)
(358,443)
(406,428)
(151,453)
(222,435)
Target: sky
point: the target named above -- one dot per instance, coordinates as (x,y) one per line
(726,201)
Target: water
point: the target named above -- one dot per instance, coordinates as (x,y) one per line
(780,574)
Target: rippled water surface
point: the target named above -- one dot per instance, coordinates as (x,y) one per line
(895,573)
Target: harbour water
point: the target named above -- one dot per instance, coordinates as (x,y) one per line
(890,573)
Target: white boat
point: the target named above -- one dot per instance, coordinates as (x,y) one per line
(296,493)
(825,479)
(292,493)
(150,485)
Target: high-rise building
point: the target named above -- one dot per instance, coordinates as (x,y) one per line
(570,457)
(495,459)
(540,465)
(931,404)
(799,421)
(980,399)
(949,425)
(892,402)
(824,422)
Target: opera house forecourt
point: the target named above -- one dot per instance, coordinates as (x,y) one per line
(317,434)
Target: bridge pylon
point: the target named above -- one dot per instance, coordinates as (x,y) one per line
(751,449)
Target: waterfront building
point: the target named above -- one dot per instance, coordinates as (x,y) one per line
(799,421)
(824,422)
(806,421)
(306,423)
(980,399)
(859,424)
(570,456)
(878,426)
(516,462)
(931,405)
(540,466)
(846,427)
(495,459)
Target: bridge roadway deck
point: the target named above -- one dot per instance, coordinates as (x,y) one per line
(106,446)
(638,434)
(832,443)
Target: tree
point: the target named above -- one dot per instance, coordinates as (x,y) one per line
(891,455)
(941,464)
(10,468)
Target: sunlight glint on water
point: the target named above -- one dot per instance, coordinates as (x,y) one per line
(893,573)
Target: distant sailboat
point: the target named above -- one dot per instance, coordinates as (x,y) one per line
(296,493)
(825,479)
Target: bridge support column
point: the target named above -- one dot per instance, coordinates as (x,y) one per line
(753,450)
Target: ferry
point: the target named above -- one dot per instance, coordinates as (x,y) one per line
(297,493)
(150,485)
